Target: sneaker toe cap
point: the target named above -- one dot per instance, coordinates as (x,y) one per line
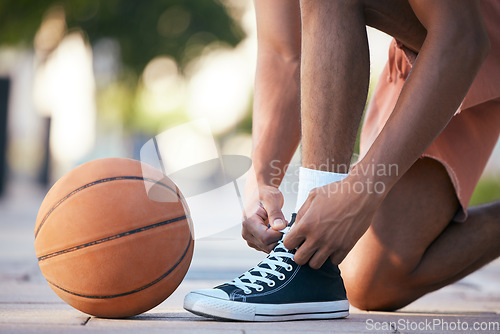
(214,293)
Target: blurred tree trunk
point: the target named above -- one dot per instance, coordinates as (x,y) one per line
(4,103)
(44,177)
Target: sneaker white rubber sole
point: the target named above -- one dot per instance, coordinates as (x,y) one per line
(212,307)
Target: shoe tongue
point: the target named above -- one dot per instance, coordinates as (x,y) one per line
(254,272)
(279,248)
(264,265)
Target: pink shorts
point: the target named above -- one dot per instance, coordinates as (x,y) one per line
(464,146)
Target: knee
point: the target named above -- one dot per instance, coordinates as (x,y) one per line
(378,291)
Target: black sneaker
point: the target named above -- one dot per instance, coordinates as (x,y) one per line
(277,289)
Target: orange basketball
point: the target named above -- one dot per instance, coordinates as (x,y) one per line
(108,247)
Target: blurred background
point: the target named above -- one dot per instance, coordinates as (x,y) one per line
(81,80)
(88,79)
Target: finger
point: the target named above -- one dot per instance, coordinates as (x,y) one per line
(303,209)
(271,236)
(278,223)
(270,239)
(304,253)
(318,259)
(264,233)
(268,249)
(254,243)
(272,203)
(254,222)
(293,239)
(297,234)
(302,212)
(254,246)
(258,234)
(267,243)
(337,257)
(249,230)
(261,212)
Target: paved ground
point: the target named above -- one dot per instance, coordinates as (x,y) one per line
(27,304)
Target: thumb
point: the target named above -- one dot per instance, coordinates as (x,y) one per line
(278,223)
(272,205)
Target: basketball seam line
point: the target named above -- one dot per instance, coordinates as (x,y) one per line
(88,185)
(110,238)
(132,291)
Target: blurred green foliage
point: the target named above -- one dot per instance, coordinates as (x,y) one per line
(144,29)
(487,190)
(180,29)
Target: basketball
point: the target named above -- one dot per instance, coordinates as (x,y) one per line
(106,246)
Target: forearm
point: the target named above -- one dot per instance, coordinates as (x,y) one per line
(276,113)
(276,116)
(276,119)
(445,68)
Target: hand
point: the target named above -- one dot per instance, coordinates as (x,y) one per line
(330,222)
(263,205)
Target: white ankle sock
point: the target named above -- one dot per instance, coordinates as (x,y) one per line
(312,178)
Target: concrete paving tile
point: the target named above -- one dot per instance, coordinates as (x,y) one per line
(176,300)
(363,322)
(27,292)
(50,329)
(185,320)
(40,314)
(352,324)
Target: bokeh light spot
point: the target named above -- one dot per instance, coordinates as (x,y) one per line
(160,73)
(173,22)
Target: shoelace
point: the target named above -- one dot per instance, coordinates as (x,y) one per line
(260,273)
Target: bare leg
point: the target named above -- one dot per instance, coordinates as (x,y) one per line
(335,72)
(412,248)
(334,81)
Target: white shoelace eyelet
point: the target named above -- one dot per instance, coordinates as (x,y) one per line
(249,281)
